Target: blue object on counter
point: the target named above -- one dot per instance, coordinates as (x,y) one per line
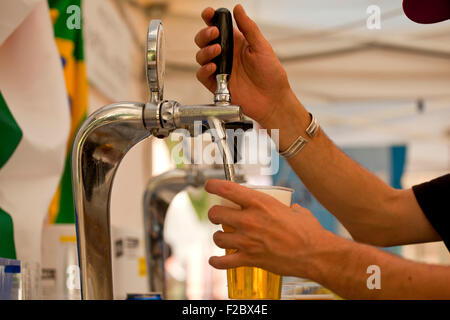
(12,269)
(144,296)
(9,279)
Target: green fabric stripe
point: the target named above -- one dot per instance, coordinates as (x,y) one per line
(10,132)
(66,212)
(60,27)
(7,247)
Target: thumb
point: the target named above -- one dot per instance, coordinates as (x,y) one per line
(297,207)
(248,28)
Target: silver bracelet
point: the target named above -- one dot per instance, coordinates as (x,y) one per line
(294,148)
(313,126)
(301,142)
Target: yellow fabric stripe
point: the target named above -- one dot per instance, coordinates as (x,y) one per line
(66,239)
(54,14)
(76,84)
(54,206)
(77,89)
(142,266)
(79,101)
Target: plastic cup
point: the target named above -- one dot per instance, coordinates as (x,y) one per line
(251,282)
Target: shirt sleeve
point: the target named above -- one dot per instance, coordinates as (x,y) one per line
(434,200)
(12,14)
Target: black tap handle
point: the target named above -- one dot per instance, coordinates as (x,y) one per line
(223,21)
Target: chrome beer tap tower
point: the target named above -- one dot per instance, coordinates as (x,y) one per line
(107,134)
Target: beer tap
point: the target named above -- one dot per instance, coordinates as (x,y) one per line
(222,97)
(109,133)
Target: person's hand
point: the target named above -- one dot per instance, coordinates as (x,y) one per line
(267,234)
(258,81)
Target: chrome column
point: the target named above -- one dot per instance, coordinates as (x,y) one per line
(99,147)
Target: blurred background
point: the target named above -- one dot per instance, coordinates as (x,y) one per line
(381,93)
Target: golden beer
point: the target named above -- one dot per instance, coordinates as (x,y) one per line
(252,282)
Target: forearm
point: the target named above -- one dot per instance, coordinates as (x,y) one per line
(353,194)
(342,266)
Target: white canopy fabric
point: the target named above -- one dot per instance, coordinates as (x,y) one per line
(364,84)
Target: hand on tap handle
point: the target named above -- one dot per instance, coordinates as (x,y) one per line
(257,80)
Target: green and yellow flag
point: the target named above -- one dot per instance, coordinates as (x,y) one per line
(69,41)
(34,125)
(43,100)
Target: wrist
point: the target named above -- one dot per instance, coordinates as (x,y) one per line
(327,248)
(289,117)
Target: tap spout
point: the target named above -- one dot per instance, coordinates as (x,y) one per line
(220,138)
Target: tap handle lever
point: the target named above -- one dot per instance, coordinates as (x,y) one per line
(224,61)
(223,21)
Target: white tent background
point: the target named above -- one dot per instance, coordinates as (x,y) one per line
(363,84)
